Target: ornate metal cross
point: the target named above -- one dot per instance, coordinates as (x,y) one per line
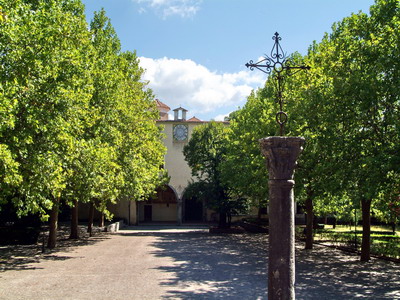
(279,65)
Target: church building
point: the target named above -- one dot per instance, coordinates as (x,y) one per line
(170,204)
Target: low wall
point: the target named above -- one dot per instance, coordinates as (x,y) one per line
(114,227)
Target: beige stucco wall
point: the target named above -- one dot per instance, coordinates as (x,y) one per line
(175,162)
(119,210)
(160,212)
(163,213)
(124,209)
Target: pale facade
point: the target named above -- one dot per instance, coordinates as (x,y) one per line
(171,205)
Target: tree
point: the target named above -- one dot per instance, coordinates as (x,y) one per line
(142,151)
(244,165)
(243,168)
(387,208)
(314,183)
(45,78)
(78,124)
(204,154)
(356,77)
(125,122)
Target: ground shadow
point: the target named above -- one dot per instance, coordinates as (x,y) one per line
(235,267)
(212,266)
(333,274)
(24,257)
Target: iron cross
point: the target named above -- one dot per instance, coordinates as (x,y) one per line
(279,65)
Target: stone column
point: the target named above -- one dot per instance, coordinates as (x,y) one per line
(281,154)
(179,203)
(179,210)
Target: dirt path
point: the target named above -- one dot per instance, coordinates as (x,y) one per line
(176,264)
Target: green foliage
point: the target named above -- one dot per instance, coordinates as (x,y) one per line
(205,153)
(45,84)
(387,206)
(76,120)
(243,168)
(390,248)
(347,108)
(125,119)
(347,239)
(207,191)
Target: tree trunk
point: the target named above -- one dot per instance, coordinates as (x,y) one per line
(101,220)
(259,212)
(91,217)
(366,235)
(394,228)
(53,225)
(222,220)
(229,216)
(74,222)
(309,226)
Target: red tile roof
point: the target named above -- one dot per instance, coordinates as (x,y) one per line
(194,119)
(163,105)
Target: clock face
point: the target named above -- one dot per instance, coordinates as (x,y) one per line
(180,132)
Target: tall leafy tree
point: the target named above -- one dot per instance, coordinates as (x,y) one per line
(204,154)
(77,123)
(45,75)
(314,173)
(353,99)
(243,168)
(126,115)
(142,151)
(364,70)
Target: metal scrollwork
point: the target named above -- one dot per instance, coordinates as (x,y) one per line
(277,51)
(281,117)
(280,66)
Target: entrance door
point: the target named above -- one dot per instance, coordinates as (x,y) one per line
(193,210)
(148,213)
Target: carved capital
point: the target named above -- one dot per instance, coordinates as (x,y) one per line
(281,155)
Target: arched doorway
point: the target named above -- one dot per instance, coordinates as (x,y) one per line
(193,209)
(161,208)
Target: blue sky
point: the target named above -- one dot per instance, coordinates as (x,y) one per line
(195,51)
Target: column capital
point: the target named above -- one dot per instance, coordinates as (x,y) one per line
(281,154)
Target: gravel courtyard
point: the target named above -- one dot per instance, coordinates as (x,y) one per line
(166,263)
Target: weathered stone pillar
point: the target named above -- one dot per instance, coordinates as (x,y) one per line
(179,210)
(281,154)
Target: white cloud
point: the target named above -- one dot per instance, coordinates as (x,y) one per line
(221,117)
(167,8)
(183,82)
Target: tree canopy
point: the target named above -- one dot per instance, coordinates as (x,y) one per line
(347,108)
(205,153)
(77,121)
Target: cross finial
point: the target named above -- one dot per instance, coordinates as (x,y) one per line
(276,64)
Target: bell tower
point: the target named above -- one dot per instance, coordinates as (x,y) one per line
(180,114)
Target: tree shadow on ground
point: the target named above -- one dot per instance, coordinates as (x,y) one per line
(24,257)
(326,273)
(235,267)
(208,266)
